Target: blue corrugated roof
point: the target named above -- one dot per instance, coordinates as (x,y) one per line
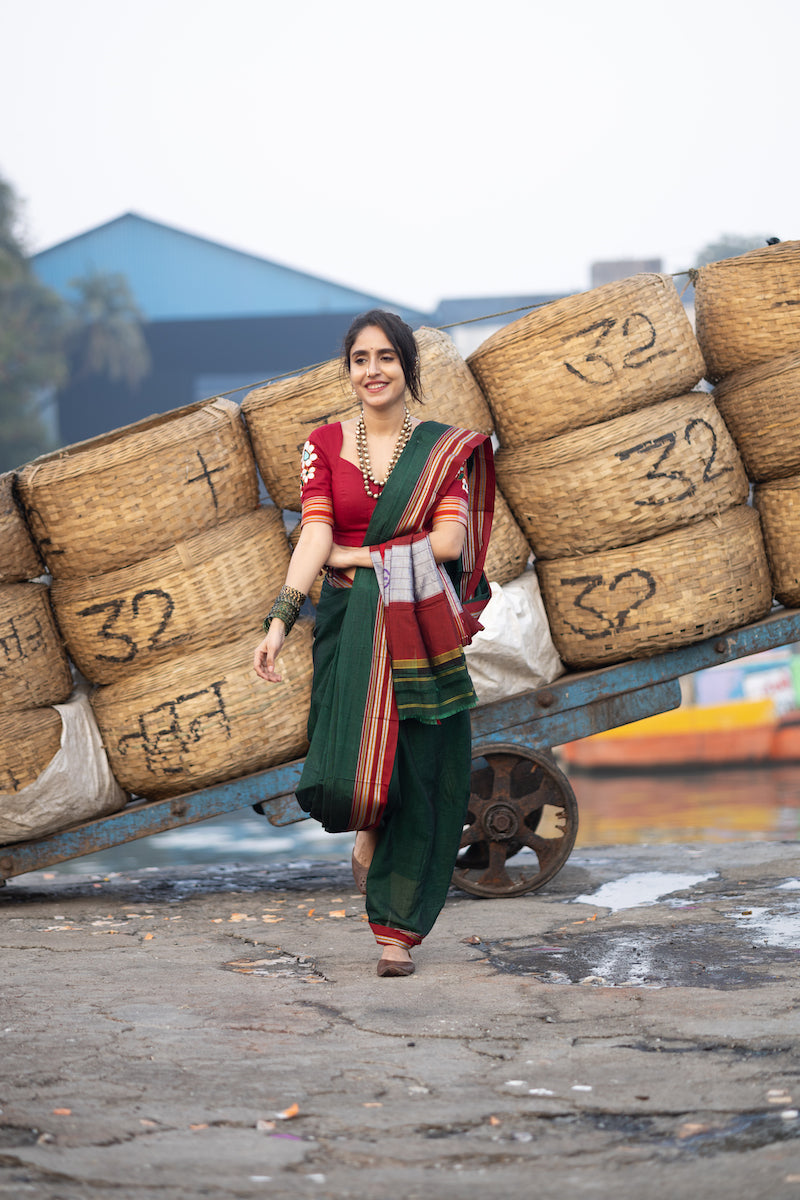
(176,275)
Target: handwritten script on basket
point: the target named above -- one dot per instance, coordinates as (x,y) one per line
(624,345)
(640,586)
(168,732)
(696,430)
(155,608)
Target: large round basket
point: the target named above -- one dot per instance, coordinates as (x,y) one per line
(675,589)
(281,415)
(625,480)
(30,739)
(747,309)
(199,593)
(778,502)
(206,717)
(761,407)
(587,358)
(124,496)
(19,558)
(33,666)
(508,552)
(449,389)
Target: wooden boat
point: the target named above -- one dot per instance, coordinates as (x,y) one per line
(736,733)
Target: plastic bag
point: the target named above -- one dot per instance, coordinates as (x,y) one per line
(76,784)
(514,653)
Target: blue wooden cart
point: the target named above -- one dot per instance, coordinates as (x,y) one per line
(523,816)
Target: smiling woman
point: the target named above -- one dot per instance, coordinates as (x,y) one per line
(399,512)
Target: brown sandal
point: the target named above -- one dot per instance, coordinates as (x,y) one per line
(390,966)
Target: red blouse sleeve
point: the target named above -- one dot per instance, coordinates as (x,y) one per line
(453,503)
(316,486)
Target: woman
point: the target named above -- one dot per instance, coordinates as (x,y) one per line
(399,511)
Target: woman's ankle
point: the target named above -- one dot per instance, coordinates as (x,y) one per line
(366,842)
(395,953)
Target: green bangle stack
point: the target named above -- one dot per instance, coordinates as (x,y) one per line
(286,608)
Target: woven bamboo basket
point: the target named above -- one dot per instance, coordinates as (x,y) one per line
(761,407)
(672,590)
(122,497)
(206,717)
(281,415)
(778,502)
(33,666)
(30,739)
(450,391)
(316,587)
(588,358)
(197,594)
(625,480)
(508,551)
(19,558)
(747,309)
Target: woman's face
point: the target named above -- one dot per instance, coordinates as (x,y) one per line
(376,371)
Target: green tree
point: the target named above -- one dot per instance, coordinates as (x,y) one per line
(105,334)
(46,342)
(32,358)
(730,245)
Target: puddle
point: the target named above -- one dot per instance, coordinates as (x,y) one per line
(278,965)
(641,888)
(773,928)
(699,956)
(695,1134)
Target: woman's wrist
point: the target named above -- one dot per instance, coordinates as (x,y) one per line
(286,608)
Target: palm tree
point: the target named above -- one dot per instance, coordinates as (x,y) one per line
(106,336)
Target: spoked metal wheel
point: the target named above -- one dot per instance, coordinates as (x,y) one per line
(521,823)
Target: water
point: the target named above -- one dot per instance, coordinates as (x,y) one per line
(758,804)
(748,804)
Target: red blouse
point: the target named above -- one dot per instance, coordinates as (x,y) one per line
(332,490)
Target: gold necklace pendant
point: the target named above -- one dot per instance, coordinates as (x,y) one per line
(362,448)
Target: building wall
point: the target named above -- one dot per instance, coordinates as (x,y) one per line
(192,358)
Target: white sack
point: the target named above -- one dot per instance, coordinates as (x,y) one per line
(514,653)
(76,784)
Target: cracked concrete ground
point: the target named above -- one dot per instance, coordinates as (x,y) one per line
(633,1029)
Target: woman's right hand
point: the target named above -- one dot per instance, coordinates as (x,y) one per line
(268,650)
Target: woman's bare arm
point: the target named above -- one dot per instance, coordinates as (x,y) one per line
(310,556)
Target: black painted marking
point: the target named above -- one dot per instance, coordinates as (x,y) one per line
(206,474)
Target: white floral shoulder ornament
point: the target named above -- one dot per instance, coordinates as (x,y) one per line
(307,460)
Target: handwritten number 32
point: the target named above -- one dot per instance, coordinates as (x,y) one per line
(666,443)
(638,336)
(644,587)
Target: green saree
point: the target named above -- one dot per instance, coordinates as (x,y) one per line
(389,725)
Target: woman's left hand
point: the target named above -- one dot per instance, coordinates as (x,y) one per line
(343,557)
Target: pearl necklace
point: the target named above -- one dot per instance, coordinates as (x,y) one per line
(363,453)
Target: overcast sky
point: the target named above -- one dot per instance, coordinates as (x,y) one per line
(415,149)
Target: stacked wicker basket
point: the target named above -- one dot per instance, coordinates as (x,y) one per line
(626,483)
(748,325)
(162,566)
(34,672)
(281,415)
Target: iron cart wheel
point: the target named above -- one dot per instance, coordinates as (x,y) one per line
(520,802)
